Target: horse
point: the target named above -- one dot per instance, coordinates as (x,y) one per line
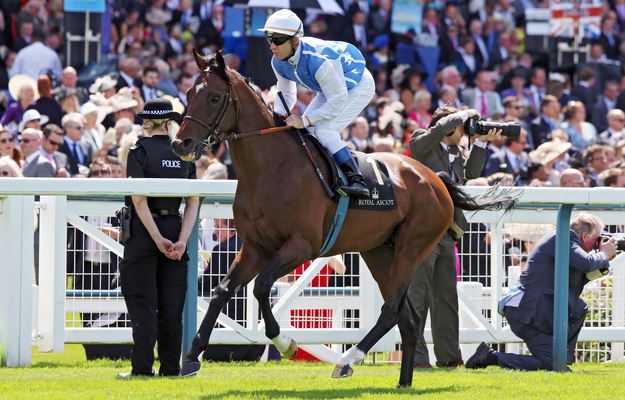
(282,214)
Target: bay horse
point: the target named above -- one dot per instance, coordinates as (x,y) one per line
(282,214)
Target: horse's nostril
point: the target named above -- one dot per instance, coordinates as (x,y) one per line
(187,143)
(181,144)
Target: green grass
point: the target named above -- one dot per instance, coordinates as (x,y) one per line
(70,376)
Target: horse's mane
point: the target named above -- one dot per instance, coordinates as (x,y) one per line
(213,67)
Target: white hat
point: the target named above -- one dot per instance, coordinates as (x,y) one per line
(31,115)
(89,107)
(284,22)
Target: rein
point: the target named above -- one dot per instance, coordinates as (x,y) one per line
(213,130)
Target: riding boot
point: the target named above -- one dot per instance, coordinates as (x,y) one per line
(356,185)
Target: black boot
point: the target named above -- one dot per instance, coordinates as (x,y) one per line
(356,183)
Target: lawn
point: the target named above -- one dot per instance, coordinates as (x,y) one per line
(70,376)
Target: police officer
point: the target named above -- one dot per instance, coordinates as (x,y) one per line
(154,267)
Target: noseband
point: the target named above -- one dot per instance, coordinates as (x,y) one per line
(213,130)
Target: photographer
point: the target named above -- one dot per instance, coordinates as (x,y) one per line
(433,285)
(529,306)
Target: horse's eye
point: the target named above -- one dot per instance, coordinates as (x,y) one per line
(215,98)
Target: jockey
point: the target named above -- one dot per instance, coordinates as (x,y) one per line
(336,72)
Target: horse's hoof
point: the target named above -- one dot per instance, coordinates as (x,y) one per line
(291,352)
(190,369)
(342,371)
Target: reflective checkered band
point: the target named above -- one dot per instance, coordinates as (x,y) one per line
(157,112)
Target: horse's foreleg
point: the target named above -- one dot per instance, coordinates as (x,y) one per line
(285,261)
(243,269)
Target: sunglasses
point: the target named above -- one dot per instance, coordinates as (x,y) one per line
(278,40)
(10,140)
(53,143)
(100,172)
(5,173)
(25,140)
(80,128)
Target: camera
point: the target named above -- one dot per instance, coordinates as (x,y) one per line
(620,241)
(474,127)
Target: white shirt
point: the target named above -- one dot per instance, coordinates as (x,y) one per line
(34,58)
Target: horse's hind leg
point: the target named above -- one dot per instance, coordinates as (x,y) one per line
(408,328)
(245,266)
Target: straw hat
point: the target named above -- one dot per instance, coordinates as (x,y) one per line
(89,107)
(176,103)
(549,151)
(122,100)
(157,16)
(103,84)
(527,232)
(16,83)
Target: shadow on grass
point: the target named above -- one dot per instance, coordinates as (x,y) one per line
(329,393)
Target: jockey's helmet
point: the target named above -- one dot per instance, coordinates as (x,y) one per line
(283,22)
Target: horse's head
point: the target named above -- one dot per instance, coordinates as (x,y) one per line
(211,111)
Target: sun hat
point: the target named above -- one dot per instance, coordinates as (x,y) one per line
(16,83)
(103,84)
(549,151)
(31,115)
(158,108)
(89,107)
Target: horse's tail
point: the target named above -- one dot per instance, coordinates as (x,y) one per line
(492,199)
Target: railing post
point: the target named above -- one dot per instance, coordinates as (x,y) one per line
(560,296)
(189,315)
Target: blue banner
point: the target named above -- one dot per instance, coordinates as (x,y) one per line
(84,5)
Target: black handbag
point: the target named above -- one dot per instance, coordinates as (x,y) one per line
(123,217)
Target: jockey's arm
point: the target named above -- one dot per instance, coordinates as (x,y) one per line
(335,91)
(289,91)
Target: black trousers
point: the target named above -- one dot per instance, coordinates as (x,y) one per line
(154,288)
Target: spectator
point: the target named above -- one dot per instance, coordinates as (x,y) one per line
(23,89)
(356,32)
(422,104)
(69,79)
(36,165)
(481,48)
(537,90)
(117,170)
(546,121)
(447,95)
(51,140)
(32,119)
(128,71)
(24,37)
(514,111)
(614,177)
(79,153)
(482,98)
(467,62)
(449,43)
(359,135)
(36,57)
(584,88)
(581,133)
(529,307)
(433,285)
(511,159)
(572,177)
(94,130)
(409,81)
(517,79)
(45,104)
(9,168)
(8,148)
(500,52)
(609,39)
(605,103)
(596,161)
(616,125)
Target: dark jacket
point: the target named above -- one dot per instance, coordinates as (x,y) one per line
(537,281)
(425,147)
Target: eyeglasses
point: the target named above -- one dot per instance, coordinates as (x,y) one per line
(517,107)
(100,172)
(53,143)
(5,173)
(80,128)
(278,40)
(10,140)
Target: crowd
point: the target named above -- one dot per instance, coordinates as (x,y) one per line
(572,119)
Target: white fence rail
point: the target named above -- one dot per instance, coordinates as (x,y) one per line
(345,314)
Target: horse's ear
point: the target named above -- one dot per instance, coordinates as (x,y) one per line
(221,63)
(202,64)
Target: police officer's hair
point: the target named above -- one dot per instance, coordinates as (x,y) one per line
(584,222)
(150,124)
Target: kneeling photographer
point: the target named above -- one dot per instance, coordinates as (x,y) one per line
(433,285)
(529,306)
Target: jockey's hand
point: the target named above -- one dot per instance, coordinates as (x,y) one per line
(493,134)
(295,121)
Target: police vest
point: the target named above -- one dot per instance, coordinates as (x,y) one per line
(162,162)
(314,52)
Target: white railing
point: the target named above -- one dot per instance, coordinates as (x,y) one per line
(479,319)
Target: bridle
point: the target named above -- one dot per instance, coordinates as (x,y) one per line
(213,130)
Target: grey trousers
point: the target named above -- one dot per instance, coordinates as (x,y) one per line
(433,287)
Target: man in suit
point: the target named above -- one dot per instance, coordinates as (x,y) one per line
(546,121)
(467,61)
(128,70)
(356,32)
(511,159)
(359,135)
(605,103)
(609,39)
(481,48)
(79,153)
(481,98)
(583,88)
(150,80)
(51,140)
(433,285)
(499,53)
(529,307)
(616,128)
(537,89)
(36,164)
